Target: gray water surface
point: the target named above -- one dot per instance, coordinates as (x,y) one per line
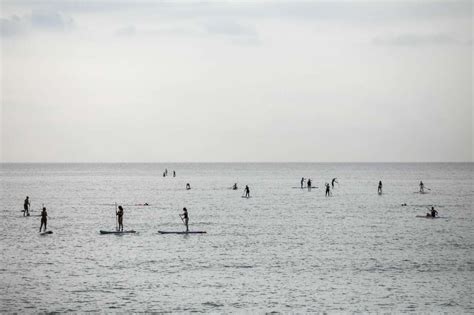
(284,249)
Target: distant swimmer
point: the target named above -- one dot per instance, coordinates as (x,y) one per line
(26,207)
(184,216)
(164,174)
(235,187)
(302,182)
(433,213)
(328,190)
(44,219)
(380,187)
(422,187)
(404,204)
(188,187)
(247,191)
(174,174)
(308,183)
(334,180)
(119,214)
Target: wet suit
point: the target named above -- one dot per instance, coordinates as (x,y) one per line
(302,182)
(380,187)
(434,213)
(422,187)
(247,191)
(235,186)
(333,181)
(309,184)
(120,218)
(328,190)
(44,219)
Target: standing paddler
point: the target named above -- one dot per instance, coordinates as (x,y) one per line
(185,218)
(44,219)
(26,207)
(119,214)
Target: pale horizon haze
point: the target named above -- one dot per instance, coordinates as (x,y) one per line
(235,81)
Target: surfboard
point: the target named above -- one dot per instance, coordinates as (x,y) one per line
(46,233)
(117,232)
(182,232)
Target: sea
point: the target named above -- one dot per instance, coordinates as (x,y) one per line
(283,250)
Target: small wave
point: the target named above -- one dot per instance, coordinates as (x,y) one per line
(212,304)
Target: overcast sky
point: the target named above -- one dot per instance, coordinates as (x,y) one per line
(128,81)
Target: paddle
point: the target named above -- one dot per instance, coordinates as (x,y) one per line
(116,218)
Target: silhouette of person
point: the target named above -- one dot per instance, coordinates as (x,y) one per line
(184,216)
(44,219)
(26,207)
(247,191)
(120,218)
(328,190)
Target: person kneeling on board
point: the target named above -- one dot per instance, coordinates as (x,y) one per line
(44,219)
(379,189)
(120,218)
(188,187)
(184,216)
(433,213)
(235,186)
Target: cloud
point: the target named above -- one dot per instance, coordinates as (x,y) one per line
(417,40)
(36,21)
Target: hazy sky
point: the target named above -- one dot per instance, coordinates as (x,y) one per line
(128,81)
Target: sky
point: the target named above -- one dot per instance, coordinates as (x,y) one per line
(235,81)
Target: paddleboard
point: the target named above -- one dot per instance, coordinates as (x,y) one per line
(46,233)
(182,232)
(428,217)
(117,232)
(419,192)
(246,197)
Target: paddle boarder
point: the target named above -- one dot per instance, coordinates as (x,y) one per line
(328,190)
(174,173)
(433,213)
(235,187)
(26,207)
(334,180)
(119,214)
(184,216)
(308,183)
(44,219)
(380,188)
(247,191)
(302,182)
(422,187)
(188,187)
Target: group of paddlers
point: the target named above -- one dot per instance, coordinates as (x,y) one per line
(185,217)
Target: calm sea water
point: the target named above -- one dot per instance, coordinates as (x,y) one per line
(283,250)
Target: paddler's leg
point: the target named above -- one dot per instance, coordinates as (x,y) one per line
(186,221)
